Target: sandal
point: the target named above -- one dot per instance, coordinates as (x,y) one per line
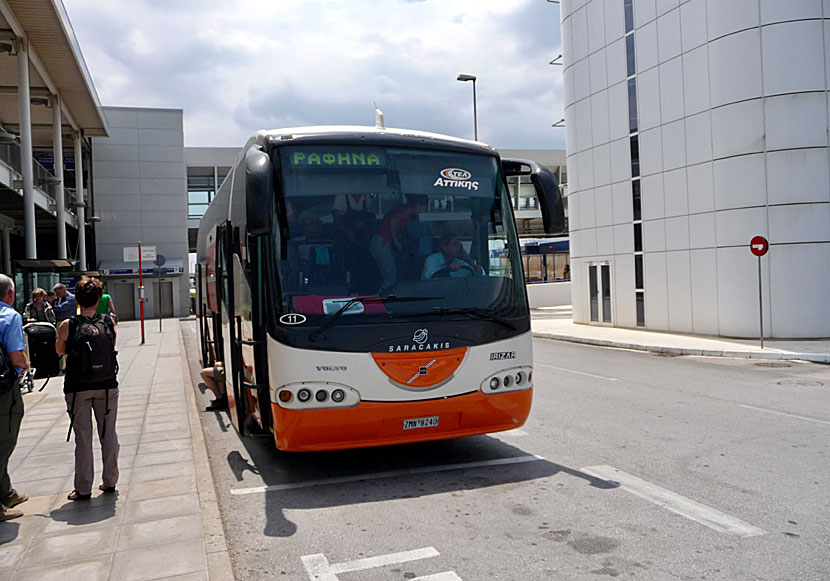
(106,489)
(75,495)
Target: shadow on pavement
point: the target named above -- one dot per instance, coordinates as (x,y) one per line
(314,480)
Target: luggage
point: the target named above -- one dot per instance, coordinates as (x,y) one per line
(91,355)
(41,338)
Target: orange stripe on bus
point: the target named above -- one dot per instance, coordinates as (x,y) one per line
(422,368)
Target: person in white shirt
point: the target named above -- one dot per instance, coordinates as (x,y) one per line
(452,261)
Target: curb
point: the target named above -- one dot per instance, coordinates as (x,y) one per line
(217,556)
(768,355)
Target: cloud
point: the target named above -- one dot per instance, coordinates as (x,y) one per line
(294,62)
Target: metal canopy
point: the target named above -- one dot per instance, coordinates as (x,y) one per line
(56,66)
(45,265)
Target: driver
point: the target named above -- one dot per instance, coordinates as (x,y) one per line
(452,261)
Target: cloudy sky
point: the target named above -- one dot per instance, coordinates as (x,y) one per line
(237,66)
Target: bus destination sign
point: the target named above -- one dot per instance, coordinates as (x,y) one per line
(346,157)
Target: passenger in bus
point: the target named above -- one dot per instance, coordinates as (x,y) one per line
(389,241)
(352,219)
(214,380)
(451,261)
(353,224)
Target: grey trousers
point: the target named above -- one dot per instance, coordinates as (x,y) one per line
(87,402)
(385,258)
(11,414)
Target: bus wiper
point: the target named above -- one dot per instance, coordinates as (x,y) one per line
(385,299)
(480,314)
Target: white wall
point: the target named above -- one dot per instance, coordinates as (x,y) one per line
(733,108)
(549,294)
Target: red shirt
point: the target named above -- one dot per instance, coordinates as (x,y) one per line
(397,218)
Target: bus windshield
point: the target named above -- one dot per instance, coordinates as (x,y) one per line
(372,234)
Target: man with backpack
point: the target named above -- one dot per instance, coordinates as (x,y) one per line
(90,384)
(13,362)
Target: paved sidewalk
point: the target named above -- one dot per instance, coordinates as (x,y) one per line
(164,520)
(557,323)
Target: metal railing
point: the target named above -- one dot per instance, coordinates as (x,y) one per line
(11,157)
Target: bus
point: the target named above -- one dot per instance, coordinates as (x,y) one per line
(363,286)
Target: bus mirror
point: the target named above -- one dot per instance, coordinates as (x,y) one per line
(258,192)
(547,191)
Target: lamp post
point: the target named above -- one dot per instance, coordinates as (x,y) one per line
(464,78)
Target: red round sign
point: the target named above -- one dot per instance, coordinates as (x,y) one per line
(758,245)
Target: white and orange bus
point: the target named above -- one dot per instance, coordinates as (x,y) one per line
(363,286)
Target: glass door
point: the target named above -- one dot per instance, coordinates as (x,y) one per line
(599,288)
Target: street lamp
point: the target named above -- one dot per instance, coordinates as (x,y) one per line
(464,78)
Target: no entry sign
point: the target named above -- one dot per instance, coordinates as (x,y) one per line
(758,245)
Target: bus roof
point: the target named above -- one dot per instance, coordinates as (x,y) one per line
(319,130)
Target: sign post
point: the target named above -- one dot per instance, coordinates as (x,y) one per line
(159,262)
(141,292)
(139,254)
(759,246)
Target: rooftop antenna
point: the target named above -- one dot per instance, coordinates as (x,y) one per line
(379,122)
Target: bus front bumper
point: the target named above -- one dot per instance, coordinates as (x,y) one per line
(382,423)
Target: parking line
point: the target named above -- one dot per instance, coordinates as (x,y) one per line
(805,418)
(384,560)
(388,474)
(320,569)
(577,372)
(705,515)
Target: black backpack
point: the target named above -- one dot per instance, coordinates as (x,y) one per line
(91,355)
(8,374)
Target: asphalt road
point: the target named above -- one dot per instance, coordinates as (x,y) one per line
(631,465)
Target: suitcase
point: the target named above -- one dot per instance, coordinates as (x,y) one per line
(41,338)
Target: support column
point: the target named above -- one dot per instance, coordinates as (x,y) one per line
(7,251)
(25,104)
(57,152)
(79,195)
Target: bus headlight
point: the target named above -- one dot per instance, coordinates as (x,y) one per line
(315,395)
(506,380)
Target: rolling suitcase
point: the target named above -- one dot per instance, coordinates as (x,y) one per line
(41,338)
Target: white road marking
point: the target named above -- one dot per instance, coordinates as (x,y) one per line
(700,513)
(805,418)
(510,433)
(388,474)
(577,372)
(384,560)
(319,568)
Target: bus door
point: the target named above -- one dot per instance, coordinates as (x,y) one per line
(224,287)
(201,311)
(246,344)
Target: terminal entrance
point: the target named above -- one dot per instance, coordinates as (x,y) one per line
(123,298)
(166,306)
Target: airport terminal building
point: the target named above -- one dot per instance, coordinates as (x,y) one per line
(693,126)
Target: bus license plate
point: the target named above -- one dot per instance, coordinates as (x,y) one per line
(416,423)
